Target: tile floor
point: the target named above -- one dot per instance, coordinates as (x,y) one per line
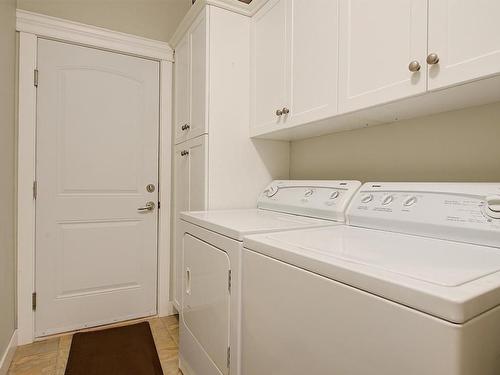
(49,357)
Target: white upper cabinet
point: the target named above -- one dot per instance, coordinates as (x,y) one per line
(294,62)
(378,41)
(465,36)
(191,81)
(181,93)
(313,60)
(269,63)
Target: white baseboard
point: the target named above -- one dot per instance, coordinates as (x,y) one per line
(8,355)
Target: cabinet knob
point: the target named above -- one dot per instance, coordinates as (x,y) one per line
(279,112)
(414,66)
(184,152)
(433,59)
(185,127)
(285,111)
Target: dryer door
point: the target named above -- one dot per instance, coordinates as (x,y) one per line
(205,303)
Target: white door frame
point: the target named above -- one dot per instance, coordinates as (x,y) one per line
(31,26)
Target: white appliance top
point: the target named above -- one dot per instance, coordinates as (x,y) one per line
(283,205)
(450,279)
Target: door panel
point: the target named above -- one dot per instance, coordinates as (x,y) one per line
(205,304)
(190,194)
(466,36)
(269,58)
(314,56)
(198,44)
(97,149)
(182,85)
(378,40)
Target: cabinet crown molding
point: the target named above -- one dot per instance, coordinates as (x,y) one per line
(79,33)
(231,5)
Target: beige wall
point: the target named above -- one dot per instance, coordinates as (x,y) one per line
(7,162)
(154,19)
(462,145)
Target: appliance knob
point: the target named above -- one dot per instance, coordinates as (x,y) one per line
(387,200)
(271,191)
(493,206)
(308,192)
(410,201)
(334,195)
(367,198)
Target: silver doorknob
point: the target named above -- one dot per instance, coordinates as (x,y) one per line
(279,112)
(285,111)
(432,59)
(184,152)
(414,66)
(150,206)
(185,127)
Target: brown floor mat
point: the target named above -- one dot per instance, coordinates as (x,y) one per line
(115,351)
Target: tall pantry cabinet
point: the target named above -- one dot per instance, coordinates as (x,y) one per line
(216,164)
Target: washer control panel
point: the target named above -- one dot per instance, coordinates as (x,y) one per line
(319,199)
(465,212)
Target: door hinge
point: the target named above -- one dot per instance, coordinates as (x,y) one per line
(158,204)
(228,356)
(35,77)
(229,281)
(33,301)
(35,189)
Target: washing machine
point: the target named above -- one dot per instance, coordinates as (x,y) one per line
(211,248)
(410,286)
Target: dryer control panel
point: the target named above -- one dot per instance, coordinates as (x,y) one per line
(465,212)
(320,199)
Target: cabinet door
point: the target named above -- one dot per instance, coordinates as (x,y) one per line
(466,36)
(378,40)
(269,63)
(205,301)
(198,84)
(314,60)
(190,194)
(181,91)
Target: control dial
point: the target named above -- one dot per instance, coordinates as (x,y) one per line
(410,201)
(387,200)
(367,198)
(334,195)
(493,206)
(271,191)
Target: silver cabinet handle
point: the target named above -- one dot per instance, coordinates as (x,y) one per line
(279,112)
(414,66)
(150,206)
(184,152)
(285,111)
(433,59)
(185,127)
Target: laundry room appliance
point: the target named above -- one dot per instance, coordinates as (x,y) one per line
(211,251)
(411,286)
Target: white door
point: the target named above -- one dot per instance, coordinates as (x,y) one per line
(314,60)
(269,79)
(97,150)
(465,35)
(205,304)
(181,91)
(190,194)
(378,41)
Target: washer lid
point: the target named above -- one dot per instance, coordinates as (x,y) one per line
(238,223)
(450,280)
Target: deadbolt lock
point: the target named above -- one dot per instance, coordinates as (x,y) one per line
(150,188)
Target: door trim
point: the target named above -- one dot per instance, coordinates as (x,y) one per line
(31,26)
